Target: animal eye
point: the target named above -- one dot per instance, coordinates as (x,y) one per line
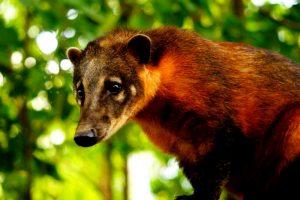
(80,94)
(113,87)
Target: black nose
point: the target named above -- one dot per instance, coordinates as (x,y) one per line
(86,138)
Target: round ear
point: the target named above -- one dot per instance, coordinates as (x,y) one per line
(74,55)
(140,47)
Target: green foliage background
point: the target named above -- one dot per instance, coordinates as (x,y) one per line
(32,166)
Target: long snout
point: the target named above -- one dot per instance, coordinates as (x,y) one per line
(86,138)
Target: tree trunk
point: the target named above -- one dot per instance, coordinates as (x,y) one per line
(238,8)
(26,129)
(28,136)
(125,172)
(105,184)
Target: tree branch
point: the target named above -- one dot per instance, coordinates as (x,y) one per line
(284,22)
(238,8)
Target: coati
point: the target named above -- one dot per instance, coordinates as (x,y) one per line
(229,112)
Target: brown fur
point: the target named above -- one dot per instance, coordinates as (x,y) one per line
(223,109)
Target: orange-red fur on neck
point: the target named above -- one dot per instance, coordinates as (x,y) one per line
(216,80)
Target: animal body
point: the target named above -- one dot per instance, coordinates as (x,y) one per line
(229,112)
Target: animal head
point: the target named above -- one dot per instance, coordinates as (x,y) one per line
(110,81)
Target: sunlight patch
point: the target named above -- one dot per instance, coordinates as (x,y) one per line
(40,102)
(44,142)
(69,33)
(47,42)
(286,3)
(16,58)
(52,67)
(72,14)
(8,11)
(66,64)
(140,167)
(2,80)
(57,137)
(171,170)
(33,31)
(30,62)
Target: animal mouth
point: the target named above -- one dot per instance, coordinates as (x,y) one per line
(100,138)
